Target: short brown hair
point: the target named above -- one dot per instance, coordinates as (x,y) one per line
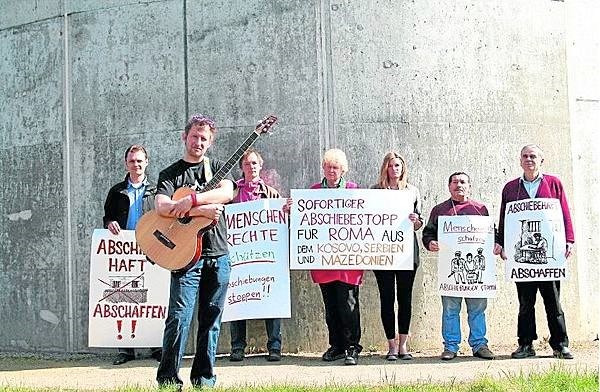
(200,119)
(135,148)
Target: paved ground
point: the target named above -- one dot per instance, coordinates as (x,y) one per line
(87,372)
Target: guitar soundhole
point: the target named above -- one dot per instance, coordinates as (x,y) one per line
(185,220)
(163,239)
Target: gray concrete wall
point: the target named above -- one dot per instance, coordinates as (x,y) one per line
(453,85)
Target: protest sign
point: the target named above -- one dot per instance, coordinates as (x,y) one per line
(259,284)
(356,229)
(466,262)
(534,240)
(128,296)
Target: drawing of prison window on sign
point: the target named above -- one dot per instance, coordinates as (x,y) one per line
(355,229)
(534,240)
(466,261)
(128,296)
(259,283)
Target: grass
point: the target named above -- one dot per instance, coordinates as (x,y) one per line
(556,379)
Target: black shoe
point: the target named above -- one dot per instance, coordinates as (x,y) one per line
(237,356)
(447,355)
(121,358)
(563,353)
(523,351)
(274,356)
(351,356)
(484,352)
(333,354)
(157,354)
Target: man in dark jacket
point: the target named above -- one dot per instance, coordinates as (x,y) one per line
(126,202)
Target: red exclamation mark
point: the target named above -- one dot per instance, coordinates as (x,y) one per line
(119,323)
(133,324)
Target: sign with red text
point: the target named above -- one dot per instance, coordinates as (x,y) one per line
(534,240)
(355,229)
(259,284)
(129,296)
(466,262)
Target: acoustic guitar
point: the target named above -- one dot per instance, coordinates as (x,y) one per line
(176,243)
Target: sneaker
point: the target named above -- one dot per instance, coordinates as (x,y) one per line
(484,353)
(333,354)
(563,353)
(523,351)
(237,356)
(351,356)
(274,356)
(447,355)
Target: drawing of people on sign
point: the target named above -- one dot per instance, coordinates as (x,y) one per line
(534,235)
(480,264)
(532,246)
(470,269)
(466,263)
(457,268)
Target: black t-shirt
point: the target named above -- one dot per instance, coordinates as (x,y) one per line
(182,173)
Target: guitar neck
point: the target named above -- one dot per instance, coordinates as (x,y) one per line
(226,168)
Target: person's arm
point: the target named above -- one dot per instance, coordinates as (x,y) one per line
(415,217)
(498,246)
(569,232)
(430,232)
(208,204)
(109,220)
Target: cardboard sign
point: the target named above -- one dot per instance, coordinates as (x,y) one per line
(259,284)
(129,296)
(534,240)
(355,229)
(466,262)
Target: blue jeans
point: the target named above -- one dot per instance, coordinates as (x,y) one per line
(451,322)
(207,281)
(238,334)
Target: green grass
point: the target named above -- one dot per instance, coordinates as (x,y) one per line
(556,379)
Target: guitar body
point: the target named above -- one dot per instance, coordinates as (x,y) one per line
(175,244)
(172,243)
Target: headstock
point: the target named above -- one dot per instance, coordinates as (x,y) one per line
(265,124)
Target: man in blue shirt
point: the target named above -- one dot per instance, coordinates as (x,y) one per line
(126,202)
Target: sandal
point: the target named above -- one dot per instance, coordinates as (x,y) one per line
(391,356)
(405,357)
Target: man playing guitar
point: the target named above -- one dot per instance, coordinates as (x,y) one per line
(207,276)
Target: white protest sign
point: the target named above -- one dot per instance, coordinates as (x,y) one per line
(466,263)
(534,240)
(259,284)
(354,229)
(129,296)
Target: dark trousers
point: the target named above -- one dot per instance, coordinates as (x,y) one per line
(526,329)
(238,334)
(342,314)
(395,285)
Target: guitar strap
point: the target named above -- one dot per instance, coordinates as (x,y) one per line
(208,174)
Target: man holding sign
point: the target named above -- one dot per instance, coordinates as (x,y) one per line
(125,203)
(459,185)
(534,184)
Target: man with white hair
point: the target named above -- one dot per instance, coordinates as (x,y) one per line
(534,184)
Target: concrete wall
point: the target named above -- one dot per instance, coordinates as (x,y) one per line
(453,85)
